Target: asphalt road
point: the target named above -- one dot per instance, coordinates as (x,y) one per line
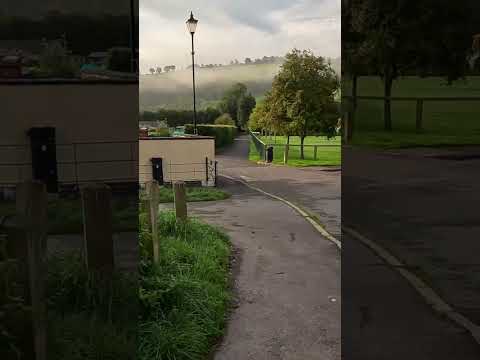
(422,208)
(287,280)
(316,189)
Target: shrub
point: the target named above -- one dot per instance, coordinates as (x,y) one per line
(223,134)
(225,119)
(163,132)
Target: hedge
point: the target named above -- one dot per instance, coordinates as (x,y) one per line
(223,134)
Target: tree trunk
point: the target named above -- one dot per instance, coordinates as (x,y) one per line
(354,91)
(387,115)
(302,154)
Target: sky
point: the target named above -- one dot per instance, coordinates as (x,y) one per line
(236,29)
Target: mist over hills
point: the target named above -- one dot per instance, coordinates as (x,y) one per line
(173,90)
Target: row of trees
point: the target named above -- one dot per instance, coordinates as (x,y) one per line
(301,101)
(234,109)
(158,69)
(110,30)
(174,118)
(248,61)
(388,39)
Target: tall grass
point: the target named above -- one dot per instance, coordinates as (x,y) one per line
(184,298)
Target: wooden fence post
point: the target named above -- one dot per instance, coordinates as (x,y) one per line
(97,227)
(285,153)
(180,200)
(31,208)
(153,214)
(315,149)
(419,120)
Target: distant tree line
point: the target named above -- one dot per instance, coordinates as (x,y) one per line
(248,61)
(176,118)
(234,109)
(106,31)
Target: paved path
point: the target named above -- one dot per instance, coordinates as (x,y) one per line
(287,280)
(316,189)
(383,317)
(425,212)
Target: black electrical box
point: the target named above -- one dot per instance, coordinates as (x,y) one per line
(157,170)
(44,156)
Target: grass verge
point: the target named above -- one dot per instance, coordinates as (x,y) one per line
(328,153)
(184,298)
(65,215)
(174,310)
(194,194)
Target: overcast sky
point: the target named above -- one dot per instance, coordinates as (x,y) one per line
(236,29)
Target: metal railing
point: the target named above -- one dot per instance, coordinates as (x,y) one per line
(206,171)
(259,145)
(74,162)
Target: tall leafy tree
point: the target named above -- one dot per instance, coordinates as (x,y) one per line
(400,37)
(245,106)
(304,95)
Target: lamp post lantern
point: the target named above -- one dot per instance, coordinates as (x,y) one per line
(192,26)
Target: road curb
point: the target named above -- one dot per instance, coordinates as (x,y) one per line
(299,210)
(426,292)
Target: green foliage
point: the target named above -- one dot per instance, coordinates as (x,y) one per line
(223,134)
(224,119)
(246,104)
(120,59)
(162,132)
(184,298)
(56,62)
(238,104)
(176,118)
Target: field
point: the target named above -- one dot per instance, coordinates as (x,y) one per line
(327,155)
(445,123)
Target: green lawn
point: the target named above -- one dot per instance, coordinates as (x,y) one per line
(184,299)
(445,123)
(327,155)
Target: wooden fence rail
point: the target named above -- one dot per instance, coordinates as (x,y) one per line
(26,242)
(349,119)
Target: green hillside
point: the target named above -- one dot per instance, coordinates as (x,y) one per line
(173,90)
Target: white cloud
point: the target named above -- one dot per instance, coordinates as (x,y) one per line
(231,29)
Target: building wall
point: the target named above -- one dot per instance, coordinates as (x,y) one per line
(96,126)
(182,158)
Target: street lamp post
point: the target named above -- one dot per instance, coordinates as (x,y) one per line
(192,25)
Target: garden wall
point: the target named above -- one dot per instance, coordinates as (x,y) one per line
(183,158)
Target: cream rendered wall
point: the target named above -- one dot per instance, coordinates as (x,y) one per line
(82,113)
(183,158)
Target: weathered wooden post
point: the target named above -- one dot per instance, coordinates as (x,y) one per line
(153,215)
(180,200)
(350,123)
(97,227)
(419,120)
(31,209)
(315,150)
(285,153)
